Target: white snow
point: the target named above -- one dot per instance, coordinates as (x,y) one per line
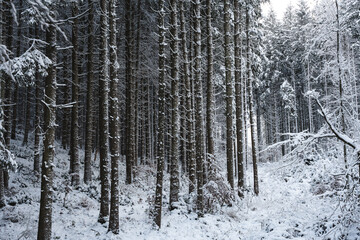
(296,201)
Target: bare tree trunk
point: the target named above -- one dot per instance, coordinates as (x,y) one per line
(37,148)
(130,95)
(229,95)
(74,143)
(210,91)
(15,107)
(238,98)
(37,121)
(89,95)
(341,90)
(104,114)
(174,163)
(187,80)
(8,32)
(114,123)
(66,111)
(161,121)
(45,217)
(254,146)
(199,137)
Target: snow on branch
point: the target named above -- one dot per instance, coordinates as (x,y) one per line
(344,138)
(25,66)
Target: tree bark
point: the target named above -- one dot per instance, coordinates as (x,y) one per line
(239,97)
(114,123)
(190,161)
(199,137)
(104,114)
(210,91)
(254,146)
(229,95)
(74,143)
(89,95)
(161,121)
(175,119)
(45,217)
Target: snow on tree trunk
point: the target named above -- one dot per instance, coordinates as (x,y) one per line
(229,94)
(238,97)
(89,95)
(199,123)
(130,94)
(175,121)
(8,33)
(161,119)
(37,147)
(210,108)
(190,161)
(104,114)
(254,146)
(74,142)
(114,123)
(45,217)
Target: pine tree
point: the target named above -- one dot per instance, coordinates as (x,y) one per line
(190,161)
(238,96)
(174,164)
(89,94)
(130,93)
(38,107)
(104,114)
(47,172)
(8,32)
(210,90)
(229,94)
(199,124)
(114,123)
(74,143)
(161,119)
(251,101)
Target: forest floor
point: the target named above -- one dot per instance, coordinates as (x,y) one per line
(296,201)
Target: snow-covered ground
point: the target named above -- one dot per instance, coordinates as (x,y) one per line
(296,201)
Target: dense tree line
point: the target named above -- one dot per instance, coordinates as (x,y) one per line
(172,83)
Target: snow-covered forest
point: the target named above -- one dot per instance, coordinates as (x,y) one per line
(179,119)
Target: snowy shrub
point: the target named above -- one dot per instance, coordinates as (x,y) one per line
(217,193)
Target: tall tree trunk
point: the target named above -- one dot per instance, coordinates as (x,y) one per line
(198,110)
(15,107)
(8,83)
(37,147)
(2,142)
(210,90)
(174,162)
(188,106)
(239,97)
(104,114)
(161,120)
(130,92)
(341,90)
(74,143)
(229,95)
(45,217)
(254,146)
(114,123)
(89,95)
